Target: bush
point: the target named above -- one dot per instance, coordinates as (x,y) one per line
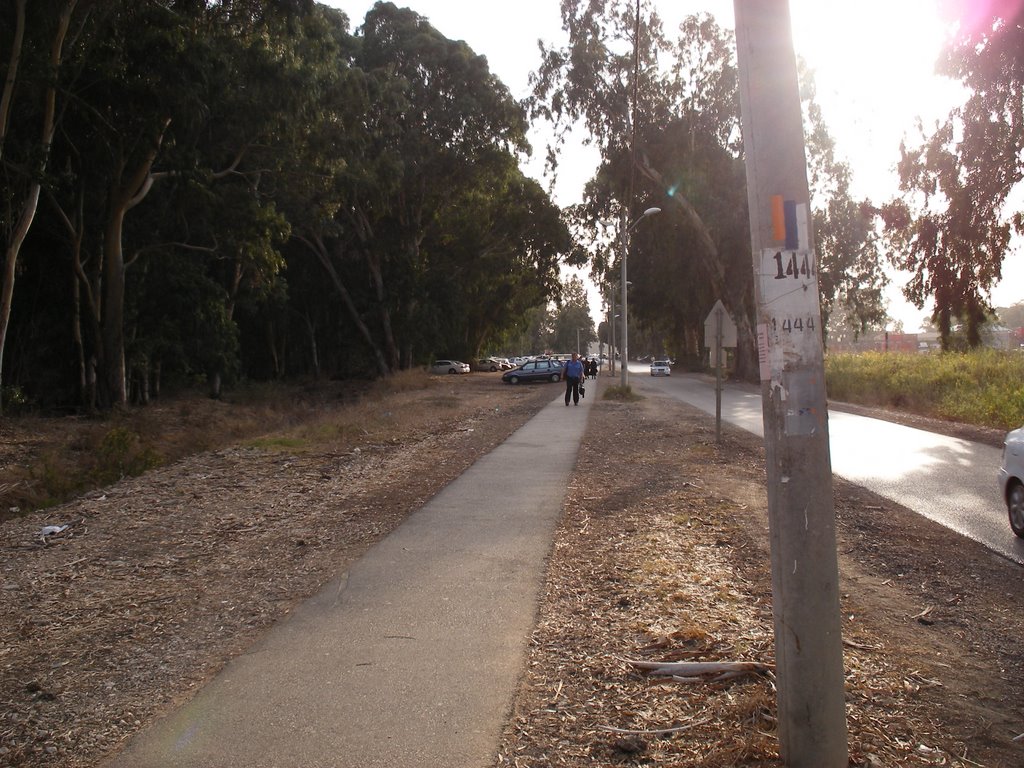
(625,394)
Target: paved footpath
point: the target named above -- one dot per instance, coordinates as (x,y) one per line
(411,658)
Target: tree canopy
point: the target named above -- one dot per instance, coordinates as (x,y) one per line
(207,190)
(951,227)
(664,113)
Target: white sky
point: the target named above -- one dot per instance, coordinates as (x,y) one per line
(874,65)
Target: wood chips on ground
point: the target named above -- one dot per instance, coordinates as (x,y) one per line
(160,579)
(661,555)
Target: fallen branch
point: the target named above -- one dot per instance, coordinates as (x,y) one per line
(701,671)
(923,613)
(657,732)
(860,646)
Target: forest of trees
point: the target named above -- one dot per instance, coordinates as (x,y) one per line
(220,189)
(214,190)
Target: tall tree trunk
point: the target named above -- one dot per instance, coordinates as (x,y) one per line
(319,249)
(112,373)
(314,350)
(270,327)
(80,282)
(76,335)
(122,199)
(31,202)
(390,348)
(975,320)
(89,284)
(945,320)
(7,97)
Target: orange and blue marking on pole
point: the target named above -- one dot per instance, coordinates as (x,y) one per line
(789,223)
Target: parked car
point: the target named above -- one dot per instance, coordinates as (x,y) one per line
(661,368)
(449,366)
(536,370)
(492,364)
(1011,479)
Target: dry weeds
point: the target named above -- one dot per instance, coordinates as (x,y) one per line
(661,555)
(162,578)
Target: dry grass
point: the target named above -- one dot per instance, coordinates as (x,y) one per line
(46,461)
(663,556)
(163,577)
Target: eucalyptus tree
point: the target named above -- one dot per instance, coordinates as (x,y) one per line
(529,333)
(570,319)
(951,228)
(668,137)
(456,114)
(851,276)
(434,131)
(174,112)
(495,254)
(667,125)
(337,174)
(32,52)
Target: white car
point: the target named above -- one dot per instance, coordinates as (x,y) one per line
(661,368)
(1011,479)
(449,366)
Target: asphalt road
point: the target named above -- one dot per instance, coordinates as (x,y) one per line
(946,479)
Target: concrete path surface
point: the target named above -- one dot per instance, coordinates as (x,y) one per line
(411,658)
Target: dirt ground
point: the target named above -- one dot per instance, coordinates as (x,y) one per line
(661,555)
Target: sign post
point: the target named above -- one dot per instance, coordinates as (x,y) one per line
(801,514)
(720,327)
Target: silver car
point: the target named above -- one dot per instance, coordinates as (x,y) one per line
(661,368)
(449,366)
(1011,479)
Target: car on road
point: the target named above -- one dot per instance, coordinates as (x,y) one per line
(1011,479)
(661,368)
(535,370)
(449,366)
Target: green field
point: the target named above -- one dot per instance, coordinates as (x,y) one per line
(984,387)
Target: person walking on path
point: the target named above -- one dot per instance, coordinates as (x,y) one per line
(573,371)
(592,368)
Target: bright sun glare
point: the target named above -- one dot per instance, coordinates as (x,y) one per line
(875,71)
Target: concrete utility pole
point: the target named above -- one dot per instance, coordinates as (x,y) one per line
(805,578)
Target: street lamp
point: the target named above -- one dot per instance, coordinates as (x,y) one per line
(578,340)
(625,313)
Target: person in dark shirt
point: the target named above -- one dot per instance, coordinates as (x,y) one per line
(573,372)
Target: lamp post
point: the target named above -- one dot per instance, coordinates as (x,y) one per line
(578,340)
(625,312)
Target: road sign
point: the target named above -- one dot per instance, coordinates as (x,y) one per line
(711,327)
